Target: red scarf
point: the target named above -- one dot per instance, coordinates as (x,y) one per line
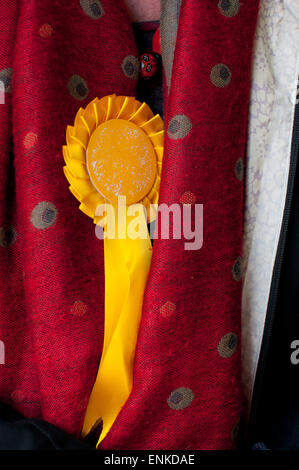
(187,392)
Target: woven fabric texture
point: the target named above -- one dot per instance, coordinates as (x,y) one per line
(187,392)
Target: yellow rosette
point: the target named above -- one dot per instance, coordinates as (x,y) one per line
(115,150)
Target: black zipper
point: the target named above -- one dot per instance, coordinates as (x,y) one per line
(255,404)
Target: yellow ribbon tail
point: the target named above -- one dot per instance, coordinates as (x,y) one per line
(127,263)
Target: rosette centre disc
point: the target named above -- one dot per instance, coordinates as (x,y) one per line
(121,161)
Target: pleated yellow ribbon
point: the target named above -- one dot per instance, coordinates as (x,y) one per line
(115,148)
